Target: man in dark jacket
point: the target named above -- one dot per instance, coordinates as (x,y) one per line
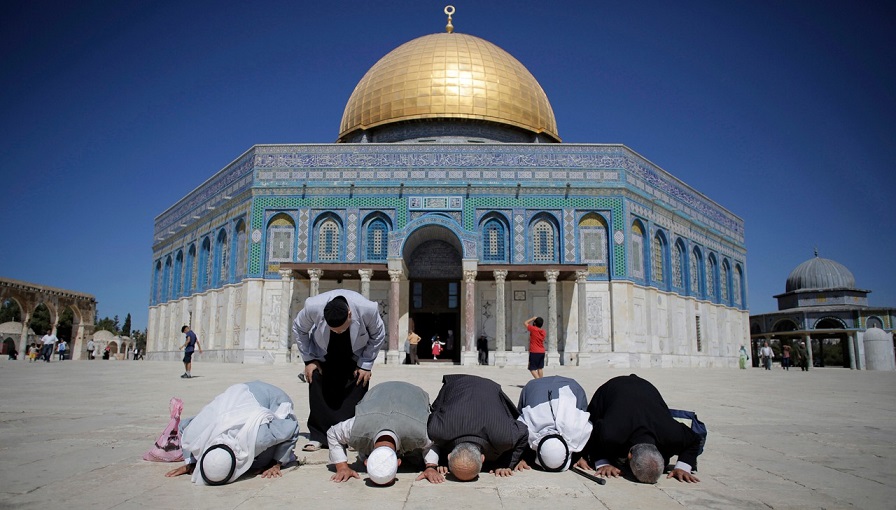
(632,425)
(474,420)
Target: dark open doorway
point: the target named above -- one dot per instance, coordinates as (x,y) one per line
(435,311)
(430,324)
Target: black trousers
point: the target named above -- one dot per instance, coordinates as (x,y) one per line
(332,397)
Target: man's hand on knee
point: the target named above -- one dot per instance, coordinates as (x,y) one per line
(310,368)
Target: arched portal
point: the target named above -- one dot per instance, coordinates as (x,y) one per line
(830,343)
(433,256)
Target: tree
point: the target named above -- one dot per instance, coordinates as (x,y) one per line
(126,329)
(40,320)
(64,327)
(108,324)
(139,338)
(10,311)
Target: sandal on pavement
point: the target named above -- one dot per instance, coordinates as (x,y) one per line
(312,446)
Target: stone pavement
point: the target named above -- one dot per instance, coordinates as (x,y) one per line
(73,434)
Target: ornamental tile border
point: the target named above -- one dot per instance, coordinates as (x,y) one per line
(598,163)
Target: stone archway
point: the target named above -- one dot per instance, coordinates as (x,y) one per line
(831,343)
(433,256)
(30,295)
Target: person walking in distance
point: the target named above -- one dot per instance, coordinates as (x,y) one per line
(766,353)
(191,343)
(413,340)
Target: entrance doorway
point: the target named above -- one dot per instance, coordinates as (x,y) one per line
(435,313)
(428,326)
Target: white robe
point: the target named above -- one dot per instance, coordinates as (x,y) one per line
(232,418)
(558,416)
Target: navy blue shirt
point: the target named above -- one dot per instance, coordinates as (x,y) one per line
(191,341)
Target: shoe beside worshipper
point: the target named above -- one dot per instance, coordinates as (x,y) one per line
(554,411)
(389,423)
(474,420)
(633,426)
(248,426)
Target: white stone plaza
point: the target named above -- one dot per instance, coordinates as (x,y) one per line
(74,433)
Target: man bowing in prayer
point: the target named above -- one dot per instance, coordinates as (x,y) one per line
(553,409)
(633,425)
(389,423)
(474,420)
(339,334)
(249,426)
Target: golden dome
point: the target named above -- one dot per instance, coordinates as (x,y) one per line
(449,75)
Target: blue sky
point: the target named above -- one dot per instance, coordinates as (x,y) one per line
(781,111)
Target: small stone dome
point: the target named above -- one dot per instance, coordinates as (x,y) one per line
(819,274)
(876,335)
(13,328)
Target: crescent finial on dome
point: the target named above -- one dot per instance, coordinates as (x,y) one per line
(449,10)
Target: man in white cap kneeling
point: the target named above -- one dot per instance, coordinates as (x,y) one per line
(389,423)
(554,410)
(250,425)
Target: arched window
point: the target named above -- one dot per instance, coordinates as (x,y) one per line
(658,258)
(544,245)
(190,277)
(222,259)
(166,279)
(205,264)
(711,277)
(678,263)
(593,240)
(737,284)
(696,266)
(242,251)
(377,239)
(281,232)
(178,274)
(157,282)
(328,241)
(723,283)
(637,250)
(494,247)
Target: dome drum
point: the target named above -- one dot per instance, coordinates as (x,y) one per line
(444,131)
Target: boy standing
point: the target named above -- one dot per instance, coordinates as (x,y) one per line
(536,346)
(190,344)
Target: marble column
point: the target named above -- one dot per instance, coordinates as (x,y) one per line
(285,350)
(851,346)
(395,275)
(574,350)
(315,275)
(553,356)
(808,340)
(469,324)
(500,319)
(23,339)
(365,274)
(78,343)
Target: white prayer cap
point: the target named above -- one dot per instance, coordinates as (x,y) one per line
(553,454)
(382,464)
(217,464)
